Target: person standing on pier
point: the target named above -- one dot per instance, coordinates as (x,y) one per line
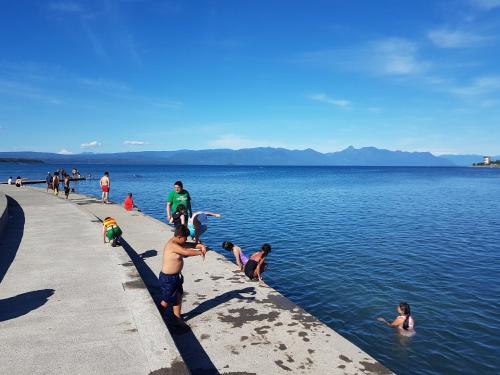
(66,186)
(170,278)
(48,180)
(176,197)
(55,183)
(105,186)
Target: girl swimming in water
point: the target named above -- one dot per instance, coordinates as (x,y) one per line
(404,322)
(241,259)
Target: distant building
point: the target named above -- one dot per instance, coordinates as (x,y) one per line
(487,160)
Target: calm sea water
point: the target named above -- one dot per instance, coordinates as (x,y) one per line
(350,243)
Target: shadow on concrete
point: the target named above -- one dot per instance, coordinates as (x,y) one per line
(22,304)
(85,201)
(219,300)
(12,236)
(193,354)
(149,254)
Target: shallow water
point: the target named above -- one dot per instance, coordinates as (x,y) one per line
(350,243)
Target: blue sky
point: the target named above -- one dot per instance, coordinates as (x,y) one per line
(131,75)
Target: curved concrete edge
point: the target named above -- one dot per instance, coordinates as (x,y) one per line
(162,353)
(4,212)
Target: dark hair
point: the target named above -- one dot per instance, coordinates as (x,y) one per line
(179,183)
(129,194)
(266,248)
(106,173)
(181,207)
(226,245)
(181,231)
(405,308)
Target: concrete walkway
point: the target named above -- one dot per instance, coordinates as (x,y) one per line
(237,326)
(63,306)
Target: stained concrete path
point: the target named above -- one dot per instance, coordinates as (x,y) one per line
(64,303)
(236,326)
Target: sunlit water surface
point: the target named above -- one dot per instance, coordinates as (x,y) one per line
(350,243)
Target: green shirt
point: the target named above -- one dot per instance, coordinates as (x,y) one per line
(176,199)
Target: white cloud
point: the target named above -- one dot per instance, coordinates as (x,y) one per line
(341,103)
(446,38)
(65,6)
(135,143)
(236,142)
(390,56)
(93,144)
(485,4)
(480,86)
(396,56)
(65,152)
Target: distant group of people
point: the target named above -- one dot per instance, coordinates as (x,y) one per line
(18,182)
(188,224)
(53,181)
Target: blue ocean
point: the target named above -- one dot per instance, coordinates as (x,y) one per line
(350,243)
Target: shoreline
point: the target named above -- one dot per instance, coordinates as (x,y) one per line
(228,315)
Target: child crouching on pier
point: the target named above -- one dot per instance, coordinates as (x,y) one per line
(111,231)
(256,264)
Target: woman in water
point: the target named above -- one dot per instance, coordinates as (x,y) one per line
(256,264)
(404,322)
(241,259)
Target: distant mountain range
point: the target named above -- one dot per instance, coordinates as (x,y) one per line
(366,156)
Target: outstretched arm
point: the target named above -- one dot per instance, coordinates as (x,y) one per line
(104,234)
(236,253)
(396,323)
(188,252)
(213,214)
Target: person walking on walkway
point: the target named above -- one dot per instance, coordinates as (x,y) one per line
(105,186)
(176,197)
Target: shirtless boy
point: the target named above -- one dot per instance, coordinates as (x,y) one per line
(105,186)
(170,277)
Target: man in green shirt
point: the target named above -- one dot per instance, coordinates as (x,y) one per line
(176,197)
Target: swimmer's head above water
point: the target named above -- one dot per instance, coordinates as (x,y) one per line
(404,309)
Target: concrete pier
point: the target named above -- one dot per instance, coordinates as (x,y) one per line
(69,303)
